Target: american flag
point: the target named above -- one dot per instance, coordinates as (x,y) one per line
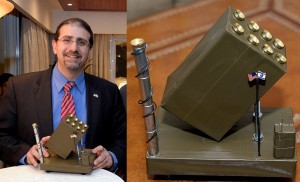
(252,76)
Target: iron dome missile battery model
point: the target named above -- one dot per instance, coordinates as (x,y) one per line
(205,121)
(65,154)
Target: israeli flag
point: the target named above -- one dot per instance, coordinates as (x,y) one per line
(261,75)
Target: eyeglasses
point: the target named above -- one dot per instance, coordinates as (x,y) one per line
(68,41)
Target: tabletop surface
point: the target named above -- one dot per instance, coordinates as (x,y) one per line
(31,174)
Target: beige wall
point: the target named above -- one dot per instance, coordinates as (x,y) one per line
(39,11)
(101,22)
(48,14)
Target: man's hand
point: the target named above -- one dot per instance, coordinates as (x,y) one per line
(103,158)
(33,155)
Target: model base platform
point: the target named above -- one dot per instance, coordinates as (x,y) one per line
(185,150)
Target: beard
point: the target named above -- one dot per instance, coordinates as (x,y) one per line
(74,64)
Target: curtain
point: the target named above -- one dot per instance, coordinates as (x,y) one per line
(100,64)
(35,47)
(10,43)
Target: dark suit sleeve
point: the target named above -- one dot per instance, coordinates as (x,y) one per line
(11,148)
(118,146)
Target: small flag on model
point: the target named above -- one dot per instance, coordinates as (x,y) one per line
(252,76)
(260,75)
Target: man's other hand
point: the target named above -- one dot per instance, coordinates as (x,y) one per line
(103,158)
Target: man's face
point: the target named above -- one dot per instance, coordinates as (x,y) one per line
(71,54)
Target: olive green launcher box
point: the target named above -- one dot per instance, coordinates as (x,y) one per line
(210,89)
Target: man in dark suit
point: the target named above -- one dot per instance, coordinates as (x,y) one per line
(37,97)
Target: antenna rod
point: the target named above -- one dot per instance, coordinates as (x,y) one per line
(37,138)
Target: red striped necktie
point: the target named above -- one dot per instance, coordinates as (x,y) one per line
(67,105)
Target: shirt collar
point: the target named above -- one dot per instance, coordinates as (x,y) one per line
(60,80)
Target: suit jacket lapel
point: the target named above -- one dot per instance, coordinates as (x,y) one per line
(43,103)
(93,98)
